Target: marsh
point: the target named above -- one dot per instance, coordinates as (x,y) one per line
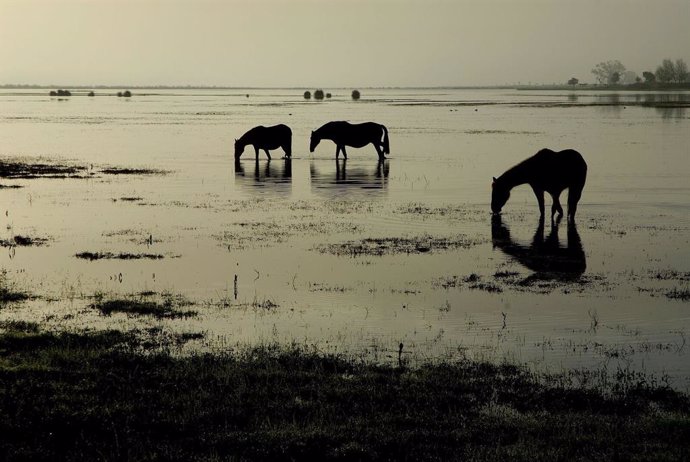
(240,237)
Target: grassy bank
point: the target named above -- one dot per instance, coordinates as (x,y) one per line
(111,396)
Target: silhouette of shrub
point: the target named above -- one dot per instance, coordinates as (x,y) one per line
(127,94)
(355,94)
(328,95)
(53,93)
(307,94)
(92,93)
(119,94)
(318,94)
(61,93)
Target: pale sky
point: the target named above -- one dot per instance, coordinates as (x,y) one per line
(333,43)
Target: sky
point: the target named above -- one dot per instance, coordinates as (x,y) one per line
(333,43)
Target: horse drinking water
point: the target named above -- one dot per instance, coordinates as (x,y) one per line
(546,171)
(355,135)
(266,138)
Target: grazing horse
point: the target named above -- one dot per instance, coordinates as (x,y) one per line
(355,135)
(546,171)
(266,138)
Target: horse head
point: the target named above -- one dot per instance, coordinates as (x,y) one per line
(239,149)
(313,141)
(499,196)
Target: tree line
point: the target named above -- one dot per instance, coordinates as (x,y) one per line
(614,72)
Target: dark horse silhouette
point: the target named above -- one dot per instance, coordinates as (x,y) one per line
(545,171)
(355,135)
(544,256)
(266,138)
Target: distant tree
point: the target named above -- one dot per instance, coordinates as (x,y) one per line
(628,78)
(615,78)
(681,71)
(355,94)
(638,79)
(53,93)
(127,94)
(328,95)
(573,81)
(649,77)
(318,94)
(666,72)
(119,94)
(604,71)
(307,94)
(92,93)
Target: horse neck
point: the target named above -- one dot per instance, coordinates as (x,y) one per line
(321,133)
(520,174)
(245,139)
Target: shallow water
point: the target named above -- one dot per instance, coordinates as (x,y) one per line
(357,257)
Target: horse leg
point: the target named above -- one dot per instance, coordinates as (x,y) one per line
(337,151)
(344,153)
(556,206)
(379,151)
(267,154)
(574,194)
(540,200)
(256,152)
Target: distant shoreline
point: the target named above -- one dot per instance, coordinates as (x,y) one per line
(561,87)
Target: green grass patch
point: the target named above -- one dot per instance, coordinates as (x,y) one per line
(97,396)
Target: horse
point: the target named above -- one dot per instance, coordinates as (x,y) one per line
(355,135)
(266,138)
(546,171)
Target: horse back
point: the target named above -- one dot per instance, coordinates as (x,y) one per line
(269,137)
(558,170)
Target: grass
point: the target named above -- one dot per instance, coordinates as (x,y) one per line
(23,241)
(95,396)
(91,256)
(169,308)
(397,245)
(7,292)
(679,294)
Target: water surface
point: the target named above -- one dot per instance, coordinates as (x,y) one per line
(356,256)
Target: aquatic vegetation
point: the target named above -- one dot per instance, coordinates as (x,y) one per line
(132,171)
(679,294)
(8,292)
(472,281)
(397,245)
(118,256)
(23,241)
(169,308)
(20,169)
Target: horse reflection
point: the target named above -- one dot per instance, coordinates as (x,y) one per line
(349,179)
(543,255)
(269,176)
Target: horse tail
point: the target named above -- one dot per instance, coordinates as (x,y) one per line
(386,145)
